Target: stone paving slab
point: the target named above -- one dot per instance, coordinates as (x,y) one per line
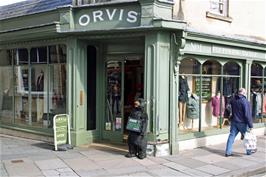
(50,164)
(82,164)
(205,161)
(22,168)
(213,170)
(3,172)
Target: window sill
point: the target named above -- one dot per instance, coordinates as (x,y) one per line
(219,17)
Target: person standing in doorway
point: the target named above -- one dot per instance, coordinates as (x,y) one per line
(137,143)
(241,119)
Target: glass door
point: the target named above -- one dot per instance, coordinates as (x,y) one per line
(114,101)
(124,83)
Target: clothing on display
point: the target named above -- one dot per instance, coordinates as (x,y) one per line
(40,82)
(183,89)
(193,107)
(217,109)
(256,102)
(183,98)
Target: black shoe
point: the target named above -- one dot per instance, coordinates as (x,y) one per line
(253,151)
(228,155)
(129,155)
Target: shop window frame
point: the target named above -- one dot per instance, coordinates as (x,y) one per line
(201,61)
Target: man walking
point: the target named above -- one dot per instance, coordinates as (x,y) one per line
(241,119)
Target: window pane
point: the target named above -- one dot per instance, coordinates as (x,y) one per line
(256,70)
(211,67)
(21,94)
(42,54)
(22,56)
(113,93)
(57,54)
(6,86)
(231,68)
(189,66)
(57,91)
(33,55)
(39,93)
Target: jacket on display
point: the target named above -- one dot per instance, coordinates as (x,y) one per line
(183,89)
(241,110)
(216,106)
(193,107)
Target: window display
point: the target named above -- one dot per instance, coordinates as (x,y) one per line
(6,87)
(257,92)
(206,90)
(39,87)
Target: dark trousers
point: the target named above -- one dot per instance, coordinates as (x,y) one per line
(137,144)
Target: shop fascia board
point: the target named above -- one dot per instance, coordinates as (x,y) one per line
(32,32)
(158,24)
(208,38)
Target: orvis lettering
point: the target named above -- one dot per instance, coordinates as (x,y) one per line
(108,15)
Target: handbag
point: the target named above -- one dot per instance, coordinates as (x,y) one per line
(134,125)
(250,141)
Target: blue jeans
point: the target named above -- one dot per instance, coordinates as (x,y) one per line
(234,130)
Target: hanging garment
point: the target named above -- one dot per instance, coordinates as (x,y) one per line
(216,106)
(193,107)
(183,89)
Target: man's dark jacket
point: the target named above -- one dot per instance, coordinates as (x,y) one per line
(241,110)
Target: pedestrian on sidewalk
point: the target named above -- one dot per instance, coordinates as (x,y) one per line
(137,143)
(241,119)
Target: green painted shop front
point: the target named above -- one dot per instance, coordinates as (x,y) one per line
(111,55)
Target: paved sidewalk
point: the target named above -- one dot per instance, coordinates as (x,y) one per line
(23,157)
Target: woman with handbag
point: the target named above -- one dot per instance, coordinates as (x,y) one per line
(137,126)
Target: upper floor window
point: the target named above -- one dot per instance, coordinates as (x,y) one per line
(219,7)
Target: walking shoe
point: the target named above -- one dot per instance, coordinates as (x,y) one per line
(228,155)
(129,155)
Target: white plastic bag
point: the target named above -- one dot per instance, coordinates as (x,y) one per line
(250,141)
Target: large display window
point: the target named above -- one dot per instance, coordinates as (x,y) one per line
(39,85)
(258,92)
(6,86)
(205,91)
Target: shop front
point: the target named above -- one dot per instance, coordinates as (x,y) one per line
(91,64)
(211,69)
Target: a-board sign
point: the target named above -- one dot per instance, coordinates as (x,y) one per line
(61,130)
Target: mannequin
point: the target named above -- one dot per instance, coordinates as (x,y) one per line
(217,110)
(182,98)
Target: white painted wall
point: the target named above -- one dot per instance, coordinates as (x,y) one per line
(249,17)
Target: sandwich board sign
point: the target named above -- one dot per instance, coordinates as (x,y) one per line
(61,130)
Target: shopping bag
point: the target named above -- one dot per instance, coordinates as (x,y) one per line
(133,125)
(250,141)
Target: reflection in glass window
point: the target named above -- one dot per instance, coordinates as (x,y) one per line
(6,86)
(22,56)
(189,66)
(39,88)
(231,68)
(113,93)
(257,92)
(211,67)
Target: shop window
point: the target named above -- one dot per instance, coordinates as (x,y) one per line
(204,97)
(40,89)
(257,92)
(6,86)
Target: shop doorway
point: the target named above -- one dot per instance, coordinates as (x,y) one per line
(124,83)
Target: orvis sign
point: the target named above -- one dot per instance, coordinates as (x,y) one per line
(107,18)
